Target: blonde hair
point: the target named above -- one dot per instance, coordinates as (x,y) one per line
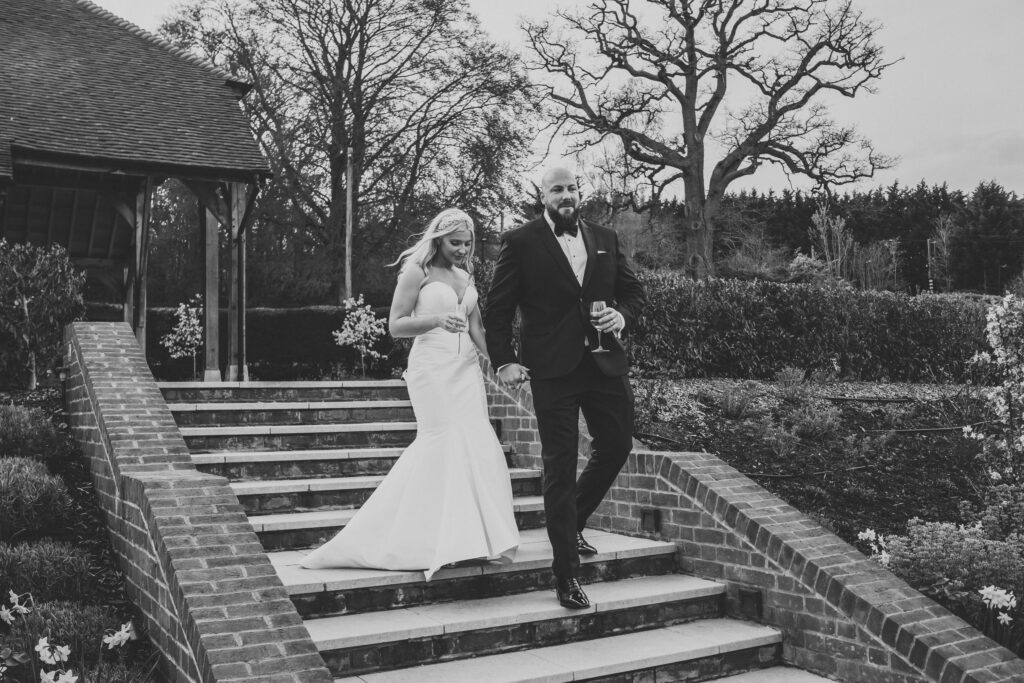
(423,252)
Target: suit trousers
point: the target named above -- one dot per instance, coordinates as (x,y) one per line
(607,406)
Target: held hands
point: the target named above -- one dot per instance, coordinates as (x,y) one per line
(513,375)
(451,322)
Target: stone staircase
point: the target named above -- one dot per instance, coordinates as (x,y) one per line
(303,456)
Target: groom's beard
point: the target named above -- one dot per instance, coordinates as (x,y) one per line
(561,221)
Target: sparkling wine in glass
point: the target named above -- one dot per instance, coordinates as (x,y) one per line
(595,309)
(460,311)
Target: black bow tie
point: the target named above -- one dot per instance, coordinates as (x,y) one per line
(571,229)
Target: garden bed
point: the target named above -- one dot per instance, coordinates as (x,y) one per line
(56,557)
(853,455)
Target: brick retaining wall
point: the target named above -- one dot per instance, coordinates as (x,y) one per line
(193,565)
(842,614)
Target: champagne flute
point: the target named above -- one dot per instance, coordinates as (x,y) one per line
(460,311)
(595,308)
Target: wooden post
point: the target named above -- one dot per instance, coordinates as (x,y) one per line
(236,370)
(143,212)
(243,297)
(208,224)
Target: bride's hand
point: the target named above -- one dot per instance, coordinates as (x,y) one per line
(451,322)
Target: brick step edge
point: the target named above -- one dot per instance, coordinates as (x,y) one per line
(603,657)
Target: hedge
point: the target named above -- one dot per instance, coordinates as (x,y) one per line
(691,328)
(732,328)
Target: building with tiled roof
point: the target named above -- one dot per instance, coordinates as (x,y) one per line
(95,112)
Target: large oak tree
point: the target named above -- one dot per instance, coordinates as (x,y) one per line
(663,78)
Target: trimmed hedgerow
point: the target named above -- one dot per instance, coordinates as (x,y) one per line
(33,502)
(49,570)
(733,328)
(29,433)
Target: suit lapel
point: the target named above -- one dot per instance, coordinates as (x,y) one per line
(588,242)
(547,237)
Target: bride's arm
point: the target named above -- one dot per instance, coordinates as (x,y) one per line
(476,331)
(401,322)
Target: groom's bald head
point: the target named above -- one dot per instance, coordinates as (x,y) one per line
(561,194)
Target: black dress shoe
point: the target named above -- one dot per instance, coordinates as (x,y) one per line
(582,547)
(570,594)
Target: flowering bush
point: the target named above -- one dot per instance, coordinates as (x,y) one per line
(186,337)
(1003,438)
(360,331)
(960,566)
(52,662)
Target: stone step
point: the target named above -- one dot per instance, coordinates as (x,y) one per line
(326,462)
(279,437)
(291,530)
(353,390)
(694,650)
(776,674)
(300,495)
(290,412)
(412,636)
(325,592)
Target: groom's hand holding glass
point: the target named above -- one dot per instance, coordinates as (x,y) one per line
(604,318)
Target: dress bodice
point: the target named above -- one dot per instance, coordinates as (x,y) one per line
(439,297)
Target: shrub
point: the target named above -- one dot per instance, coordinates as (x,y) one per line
(815,422)
(29,433)
(81,627)
(717,327)
(42,293)
(736,401)
(49,570)
(33,502)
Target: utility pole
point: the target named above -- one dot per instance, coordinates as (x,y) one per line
(931,281)
(349,173)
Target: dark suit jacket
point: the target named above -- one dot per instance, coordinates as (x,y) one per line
(533,273)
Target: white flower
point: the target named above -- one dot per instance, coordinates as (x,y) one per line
(884,558)
(6,615)
(119,638)
(52,654)
(867,535)
(1004,618)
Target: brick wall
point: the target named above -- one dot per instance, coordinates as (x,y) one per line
(213,603)
(842,614)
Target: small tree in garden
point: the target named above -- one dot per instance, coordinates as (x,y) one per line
(187,335)
(360,331)
(40,293)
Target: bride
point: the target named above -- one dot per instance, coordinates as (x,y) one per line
(448,497)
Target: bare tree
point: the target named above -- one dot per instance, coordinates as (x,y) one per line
(427,108)
(660,73)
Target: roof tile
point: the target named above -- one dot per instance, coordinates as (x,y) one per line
(75,79)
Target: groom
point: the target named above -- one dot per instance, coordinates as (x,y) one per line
(552,269)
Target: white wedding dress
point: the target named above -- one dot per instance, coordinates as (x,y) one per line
(449,496)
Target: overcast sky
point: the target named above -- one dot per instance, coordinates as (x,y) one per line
(952,110)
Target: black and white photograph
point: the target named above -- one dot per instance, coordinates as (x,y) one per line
(474,341)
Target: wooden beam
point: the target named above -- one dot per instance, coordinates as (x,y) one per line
(236,370)
(74,217)
(214,197)
(53,210)
(92,226)
(208,226)
(143,212)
